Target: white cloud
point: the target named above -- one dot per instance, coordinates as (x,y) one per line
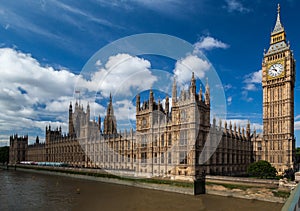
(61,104)
(124,110)
(19,70)
(123,75)
(257,127)
(246,97)
(31,95)
(297,117)
(252,81)
(254,77)
(163,102)
(297,125)
(229,100)
(227,87)
(242,123)
(169,7)
(81,12)
(157,4)
(208,43)
(4,140)
(235,5)
(250,87)
(98,63)
(184,68)
(16,19)
(224,86)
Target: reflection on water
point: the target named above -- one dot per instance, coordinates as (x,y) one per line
(26,191)
(29,191)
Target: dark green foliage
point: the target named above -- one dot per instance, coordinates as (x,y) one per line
(298,155)
(262,169)
(4,154)
(289,174)
(281,194)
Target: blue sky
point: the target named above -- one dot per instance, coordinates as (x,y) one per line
(44,46)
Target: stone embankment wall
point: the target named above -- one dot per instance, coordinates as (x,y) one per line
(243,181)
(162,187)
(256,189)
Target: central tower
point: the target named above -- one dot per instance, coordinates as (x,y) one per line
(278,82)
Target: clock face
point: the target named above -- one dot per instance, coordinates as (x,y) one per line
(275,70)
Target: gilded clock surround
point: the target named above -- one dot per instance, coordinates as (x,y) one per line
(282,74)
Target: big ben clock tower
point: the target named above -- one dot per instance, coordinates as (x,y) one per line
(278,82)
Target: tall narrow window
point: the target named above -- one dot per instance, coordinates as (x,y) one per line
(128,144)
(183,138)
(155,157)
(144,122)
(162,140)
(144,141)
(183,157)
(169,157)
(259,146)
(144,157)
(155,141)
(183,115)
(170,140)
(162,157)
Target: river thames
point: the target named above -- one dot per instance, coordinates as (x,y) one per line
(31,191)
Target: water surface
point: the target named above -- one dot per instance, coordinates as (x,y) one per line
(31,191)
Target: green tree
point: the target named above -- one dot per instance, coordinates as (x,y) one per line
(289,174)
(298,155)
(262,169)
(4,154)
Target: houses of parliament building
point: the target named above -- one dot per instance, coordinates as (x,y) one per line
(179,141)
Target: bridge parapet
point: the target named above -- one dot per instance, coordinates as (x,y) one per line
(293,202)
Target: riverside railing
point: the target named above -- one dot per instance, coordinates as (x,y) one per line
(293,202)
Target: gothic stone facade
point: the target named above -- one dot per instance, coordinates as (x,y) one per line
(17,148)
(277,143)
(181,141)
(178,142)
(36,151)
